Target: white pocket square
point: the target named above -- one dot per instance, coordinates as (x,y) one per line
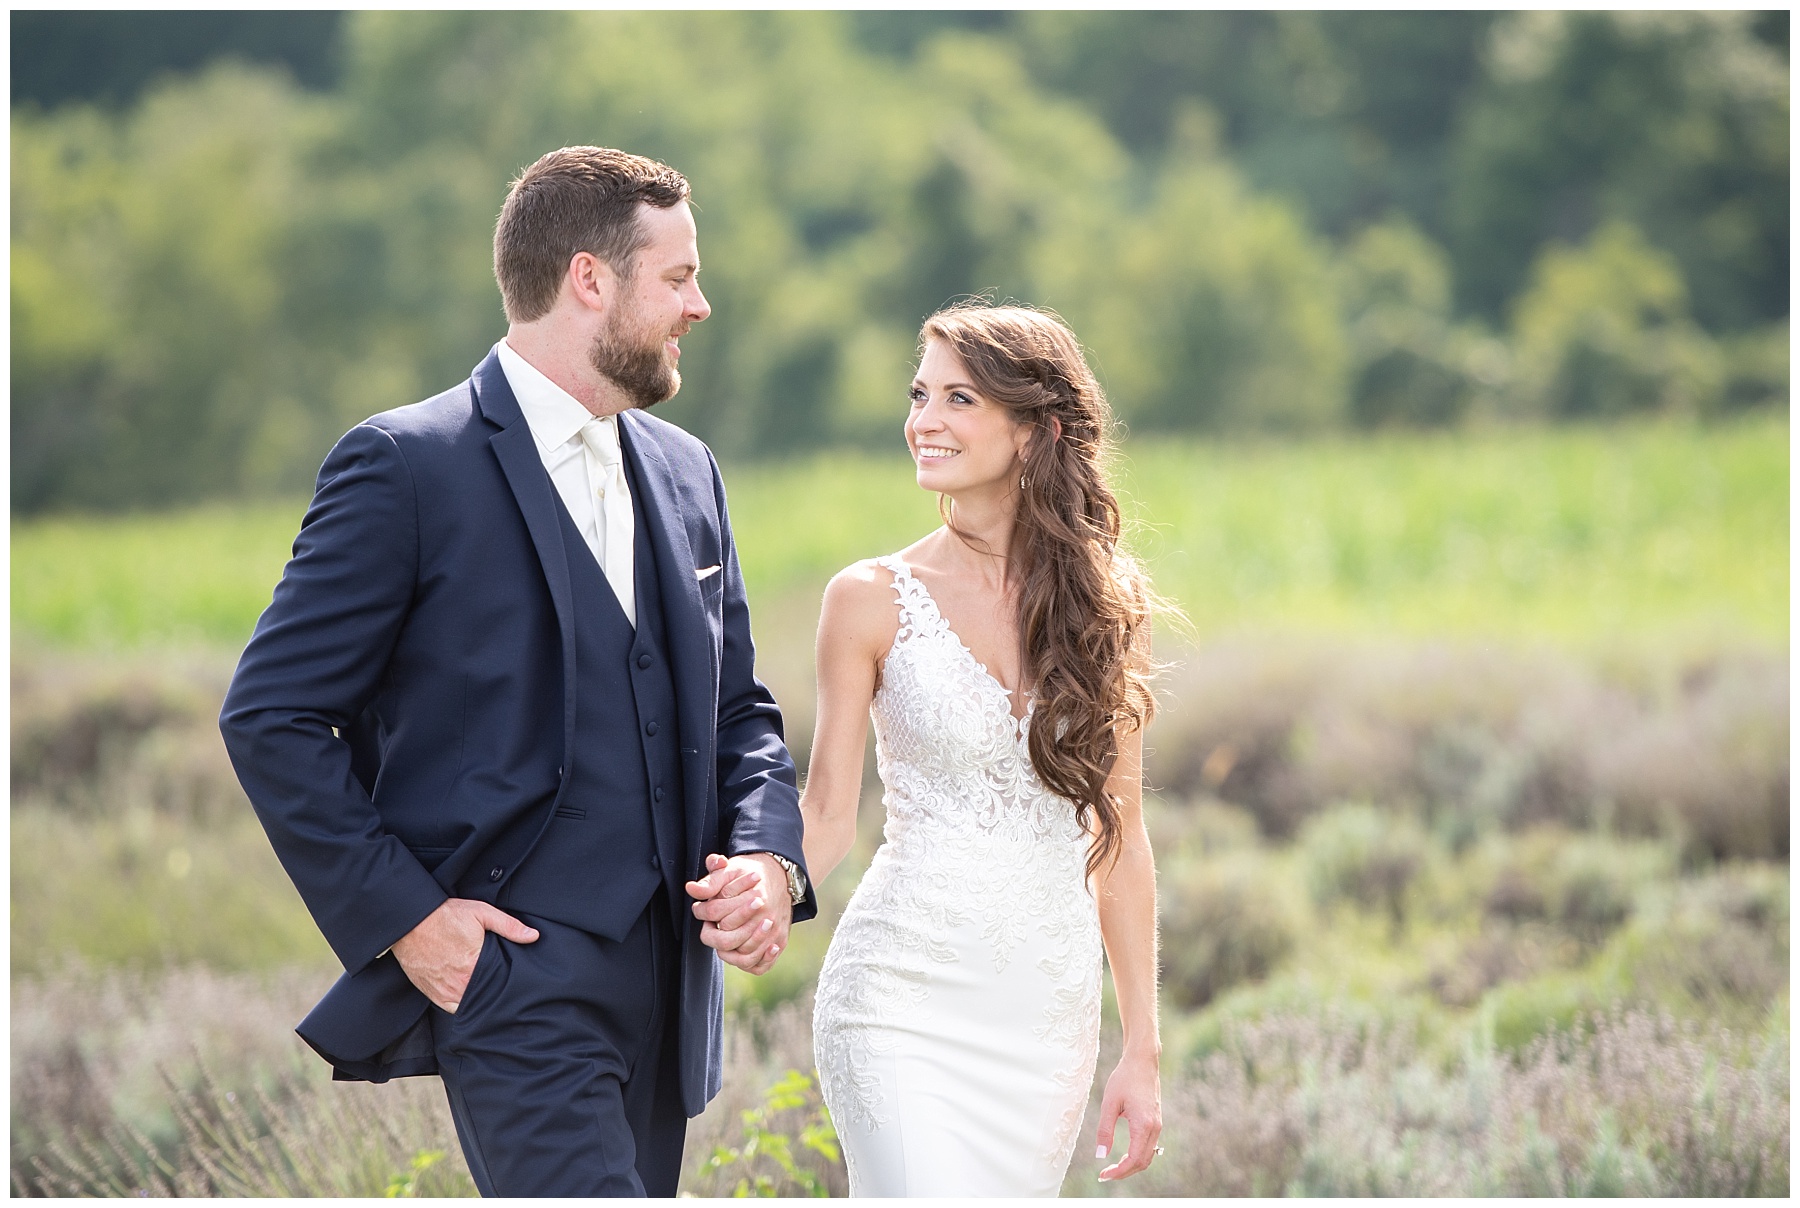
(702,573)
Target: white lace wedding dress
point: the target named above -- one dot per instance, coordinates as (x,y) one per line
(958,1013)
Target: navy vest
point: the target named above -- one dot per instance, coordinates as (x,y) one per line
(618,831)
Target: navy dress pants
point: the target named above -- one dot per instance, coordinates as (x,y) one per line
(561,1065)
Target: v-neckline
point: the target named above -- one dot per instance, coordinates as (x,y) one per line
(1018,719)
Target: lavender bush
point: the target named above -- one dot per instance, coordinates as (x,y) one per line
(1543,951)
(190,1082)
(1628,1104)
(1477,737)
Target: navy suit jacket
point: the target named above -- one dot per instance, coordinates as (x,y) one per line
(403,713)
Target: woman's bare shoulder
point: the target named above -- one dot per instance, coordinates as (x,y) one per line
(865,579)
(859,606)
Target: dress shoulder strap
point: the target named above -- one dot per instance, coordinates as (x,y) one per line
(917,610)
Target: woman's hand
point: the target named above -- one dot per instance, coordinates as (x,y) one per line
(1135,1092)
(1128,926)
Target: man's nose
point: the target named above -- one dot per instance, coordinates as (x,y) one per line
(697,306)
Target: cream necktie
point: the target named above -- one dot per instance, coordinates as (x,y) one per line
(612,509)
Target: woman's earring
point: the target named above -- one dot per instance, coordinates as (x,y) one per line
(1021,482)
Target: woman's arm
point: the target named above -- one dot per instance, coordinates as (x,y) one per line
(1127,897)
(857,624)
(739,923)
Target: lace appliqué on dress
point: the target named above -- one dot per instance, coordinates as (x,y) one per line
(972,838)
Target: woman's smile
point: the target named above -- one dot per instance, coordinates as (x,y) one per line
(945,407)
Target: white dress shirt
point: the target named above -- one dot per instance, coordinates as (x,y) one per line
(556,421)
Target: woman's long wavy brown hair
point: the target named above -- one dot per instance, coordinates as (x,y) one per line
(1084,604)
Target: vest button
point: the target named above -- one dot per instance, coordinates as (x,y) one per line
(644,660)
(657,795)
(494,874)
(651,729)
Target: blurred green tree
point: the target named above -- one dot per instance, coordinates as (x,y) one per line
(212,283)
(1345,114)
(150,361)
(1410,362)
(1674,122)
(111,56)
(1209,307)
(1603,331)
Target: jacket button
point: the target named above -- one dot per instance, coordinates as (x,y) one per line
(657,795)
(651,729)
(644,660)
(656,863)
(494,874)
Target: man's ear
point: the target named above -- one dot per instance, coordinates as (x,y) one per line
(590,281)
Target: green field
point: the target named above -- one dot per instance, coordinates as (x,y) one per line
(1574,534)
(1655,530)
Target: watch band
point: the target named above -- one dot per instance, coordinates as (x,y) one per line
(795,878)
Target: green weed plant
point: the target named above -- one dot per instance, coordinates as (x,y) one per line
(766,1161)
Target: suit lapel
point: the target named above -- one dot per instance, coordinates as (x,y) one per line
(690,649)
(532,489)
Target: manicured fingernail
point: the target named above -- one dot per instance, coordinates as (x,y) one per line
(768,923)
(1099,1152)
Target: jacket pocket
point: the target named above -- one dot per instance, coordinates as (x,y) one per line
(712,590)
(430,857)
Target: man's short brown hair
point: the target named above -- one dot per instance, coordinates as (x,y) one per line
(578,199)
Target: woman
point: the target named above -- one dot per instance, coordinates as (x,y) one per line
(1003,659)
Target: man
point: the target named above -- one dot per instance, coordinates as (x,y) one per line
(503,707)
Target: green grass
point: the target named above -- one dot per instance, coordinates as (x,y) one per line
(1571,533)
(195,577)
(147,889)
(1652,530)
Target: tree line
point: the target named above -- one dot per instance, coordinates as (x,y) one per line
(1278,222)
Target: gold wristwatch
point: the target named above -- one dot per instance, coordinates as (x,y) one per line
(796,879)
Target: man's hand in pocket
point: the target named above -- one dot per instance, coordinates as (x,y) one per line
(440,953)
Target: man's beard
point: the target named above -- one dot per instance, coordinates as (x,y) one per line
(642,371)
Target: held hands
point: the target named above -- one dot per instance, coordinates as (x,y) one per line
(440,953)
(1135,1092)
(744,909)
